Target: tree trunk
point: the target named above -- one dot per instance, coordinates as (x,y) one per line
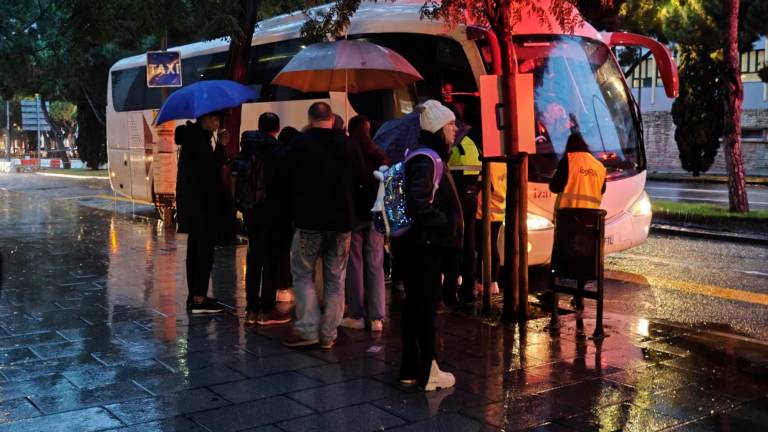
(237,65)
(90,139)
(734,94)
(55,127)
(516,281)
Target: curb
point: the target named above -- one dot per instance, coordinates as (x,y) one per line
(709,235)
(757,181)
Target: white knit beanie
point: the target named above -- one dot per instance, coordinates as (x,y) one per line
(433,115)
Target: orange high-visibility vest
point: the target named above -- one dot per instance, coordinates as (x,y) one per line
(586,176)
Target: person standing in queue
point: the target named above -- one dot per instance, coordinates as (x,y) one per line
(258,148)
(324,171)
(199,197)
(464,164)
(437,227)
(365,269)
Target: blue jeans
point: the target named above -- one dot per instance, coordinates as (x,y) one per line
(365,274)
(333,248)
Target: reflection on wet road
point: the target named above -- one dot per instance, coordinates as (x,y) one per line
(94,336)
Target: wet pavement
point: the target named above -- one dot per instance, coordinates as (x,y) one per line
(94,336)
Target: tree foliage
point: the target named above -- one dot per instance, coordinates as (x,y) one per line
(698,110)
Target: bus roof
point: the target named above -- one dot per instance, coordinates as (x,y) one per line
(402,16)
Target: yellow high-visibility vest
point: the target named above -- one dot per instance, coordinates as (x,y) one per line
(586,176)
(469,162)
(498,198)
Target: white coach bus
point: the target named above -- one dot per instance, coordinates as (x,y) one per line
(575,76)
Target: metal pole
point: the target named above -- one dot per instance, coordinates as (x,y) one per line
(486,240)
(511,269)
(522,216)
(37,122)
(8,130)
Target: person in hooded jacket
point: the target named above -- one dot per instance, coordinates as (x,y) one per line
(199,196)
(437,227)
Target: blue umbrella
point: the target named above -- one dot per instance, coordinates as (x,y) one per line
(203,97)
(396,136)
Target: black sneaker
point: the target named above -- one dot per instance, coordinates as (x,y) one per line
(191,302)
(297,342)
(206,306)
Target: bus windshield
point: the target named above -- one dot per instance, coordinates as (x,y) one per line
(579,88)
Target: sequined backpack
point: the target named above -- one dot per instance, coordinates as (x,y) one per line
(390,210)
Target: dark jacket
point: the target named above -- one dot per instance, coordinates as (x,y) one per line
(199,186)
(263,146)
(325,172)
(439,223)
(372,159)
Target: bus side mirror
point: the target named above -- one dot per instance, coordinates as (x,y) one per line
(664,59)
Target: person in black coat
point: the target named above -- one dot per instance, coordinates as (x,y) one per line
(199,196)
(263,228)
(437,228)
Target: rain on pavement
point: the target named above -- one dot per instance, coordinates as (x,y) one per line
(94,336)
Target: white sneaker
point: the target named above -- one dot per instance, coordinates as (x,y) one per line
(377,325)
(285,295)
(353,323)
(438,379)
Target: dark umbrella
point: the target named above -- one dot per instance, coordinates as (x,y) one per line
(203,97)
(398,135)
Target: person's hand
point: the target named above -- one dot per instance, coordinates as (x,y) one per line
(223,135)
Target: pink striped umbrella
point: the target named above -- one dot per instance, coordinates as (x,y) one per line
(346,66)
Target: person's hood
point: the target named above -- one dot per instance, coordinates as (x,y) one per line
(184,134)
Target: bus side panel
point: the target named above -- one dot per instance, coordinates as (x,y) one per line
(291,113)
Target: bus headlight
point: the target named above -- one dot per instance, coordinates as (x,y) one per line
(538,223)
(641,207)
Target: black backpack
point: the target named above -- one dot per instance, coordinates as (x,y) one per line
(250,181)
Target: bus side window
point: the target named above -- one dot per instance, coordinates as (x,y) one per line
(267,61)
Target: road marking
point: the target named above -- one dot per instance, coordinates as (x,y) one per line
(677,198)
(79,177)
(692,287)
(755,273)
(106,197)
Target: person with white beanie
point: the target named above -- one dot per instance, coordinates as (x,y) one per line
(437,226)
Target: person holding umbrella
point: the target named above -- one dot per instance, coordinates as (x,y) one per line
(199,192)
(199,184)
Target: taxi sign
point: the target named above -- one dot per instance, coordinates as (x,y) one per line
(163,69)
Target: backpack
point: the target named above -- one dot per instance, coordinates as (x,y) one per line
(250,183)
(390,210)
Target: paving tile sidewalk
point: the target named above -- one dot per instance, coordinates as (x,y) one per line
(94,336)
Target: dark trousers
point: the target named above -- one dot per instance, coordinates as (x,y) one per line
(260,289)
(469,253)
(200,246)
(495,228)
(281,237)
(421,277)
(451,266)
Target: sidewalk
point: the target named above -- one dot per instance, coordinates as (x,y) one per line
(94,336)
(73,362)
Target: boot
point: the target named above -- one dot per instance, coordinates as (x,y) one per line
(438,379)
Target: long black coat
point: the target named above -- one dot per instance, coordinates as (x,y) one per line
(199,185)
